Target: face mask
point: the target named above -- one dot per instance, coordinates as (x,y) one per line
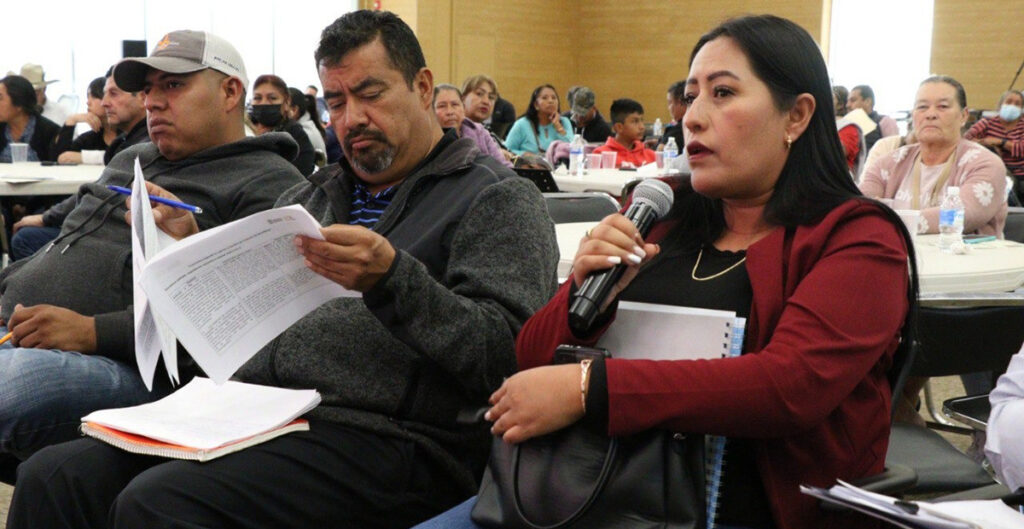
(269,115)
(1009,112)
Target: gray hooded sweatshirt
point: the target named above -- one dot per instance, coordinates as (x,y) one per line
(476,256)
(88,268)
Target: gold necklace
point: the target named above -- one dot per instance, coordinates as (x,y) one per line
(693,273)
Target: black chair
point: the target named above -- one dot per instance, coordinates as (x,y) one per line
(540,177)
(953,341)
(1014,229)
(580,207)
(972,410)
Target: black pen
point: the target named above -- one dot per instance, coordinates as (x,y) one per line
(908,507)
(160,200)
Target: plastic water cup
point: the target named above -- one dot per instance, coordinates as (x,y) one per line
(19,152)
(659,159)
(594,161)
(608,160)
(911,219)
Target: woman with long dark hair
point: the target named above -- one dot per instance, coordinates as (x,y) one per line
(769,226)
(22,122)
(542,123)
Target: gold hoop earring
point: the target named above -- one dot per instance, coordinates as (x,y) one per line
(789,142)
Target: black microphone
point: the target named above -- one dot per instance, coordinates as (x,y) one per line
(652,199)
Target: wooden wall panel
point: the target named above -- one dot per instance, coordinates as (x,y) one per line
(637,49)
(979,43)
(521,43)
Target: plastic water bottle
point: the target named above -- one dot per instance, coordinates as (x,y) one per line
(657,129)
(951,220)
(577,158)
(670,153)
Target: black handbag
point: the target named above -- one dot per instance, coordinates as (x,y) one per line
(578,478)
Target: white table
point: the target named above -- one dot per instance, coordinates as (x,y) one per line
(32,178)
(568,236)
(987,276)
(609,181)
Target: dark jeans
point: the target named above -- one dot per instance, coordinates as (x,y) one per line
(27,240)
(330,476)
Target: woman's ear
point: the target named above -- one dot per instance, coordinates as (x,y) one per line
(800,115)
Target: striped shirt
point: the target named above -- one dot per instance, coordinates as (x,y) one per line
(1013,153)
(367,207)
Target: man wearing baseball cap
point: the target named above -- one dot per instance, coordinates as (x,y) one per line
(69,306)
(588,121)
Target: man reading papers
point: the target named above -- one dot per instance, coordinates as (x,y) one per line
(452,253)
(69,307)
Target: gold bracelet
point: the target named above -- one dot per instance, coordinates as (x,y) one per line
(584,378)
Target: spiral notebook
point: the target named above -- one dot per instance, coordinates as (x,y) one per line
(668,332)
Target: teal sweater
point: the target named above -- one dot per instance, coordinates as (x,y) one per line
(521,137)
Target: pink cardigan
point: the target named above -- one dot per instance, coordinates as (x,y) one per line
(980,175)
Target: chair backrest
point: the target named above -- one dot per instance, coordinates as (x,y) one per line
(540,177)
(580,207)
(953,341)
(1014,229)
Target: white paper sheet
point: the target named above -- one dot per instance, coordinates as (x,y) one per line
(205,415)
(151,334)
(228,291)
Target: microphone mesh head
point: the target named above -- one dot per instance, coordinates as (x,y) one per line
(656,194)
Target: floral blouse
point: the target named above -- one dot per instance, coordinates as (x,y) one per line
(979,173)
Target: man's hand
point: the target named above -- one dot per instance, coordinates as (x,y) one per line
(27,220)
(176,222)
(69,157)
(49,327)
(352,256)
(87,117)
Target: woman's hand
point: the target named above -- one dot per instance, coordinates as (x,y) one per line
(556,120)
(615,240)
(536,402)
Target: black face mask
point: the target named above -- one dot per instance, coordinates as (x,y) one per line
(268,115)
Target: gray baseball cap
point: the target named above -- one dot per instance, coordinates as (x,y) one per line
(183,51)
(582,101)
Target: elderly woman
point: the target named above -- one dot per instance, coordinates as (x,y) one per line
(540,125)
(1004,133)
(268,113)
(452,115)
(21,122)
(773,229)
(917,175)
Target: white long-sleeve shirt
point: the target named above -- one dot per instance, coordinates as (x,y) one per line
(1005,444)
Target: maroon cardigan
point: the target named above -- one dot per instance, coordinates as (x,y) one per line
(829,300)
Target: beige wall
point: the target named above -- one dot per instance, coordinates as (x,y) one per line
(980,44)
(635,50)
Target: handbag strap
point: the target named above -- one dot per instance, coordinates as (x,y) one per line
(602,479)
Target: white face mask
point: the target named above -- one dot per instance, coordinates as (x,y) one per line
(1009,112)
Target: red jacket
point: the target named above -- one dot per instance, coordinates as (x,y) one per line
(828,303)
(638,155)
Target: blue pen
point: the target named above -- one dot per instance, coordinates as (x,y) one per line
(160,200)
(976,240)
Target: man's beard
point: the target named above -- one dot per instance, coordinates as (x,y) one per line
(370,161)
